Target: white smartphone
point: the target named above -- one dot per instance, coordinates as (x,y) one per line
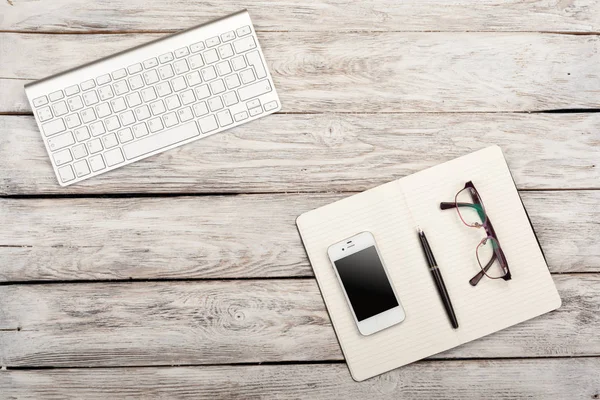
(366,284)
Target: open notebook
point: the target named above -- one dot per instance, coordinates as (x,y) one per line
(392,213)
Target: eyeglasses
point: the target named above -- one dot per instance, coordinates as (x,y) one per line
(490,256)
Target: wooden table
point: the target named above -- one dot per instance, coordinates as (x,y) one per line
(183,275)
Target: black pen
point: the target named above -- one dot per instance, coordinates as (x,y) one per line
(437,278)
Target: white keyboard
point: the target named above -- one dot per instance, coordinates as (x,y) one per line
(151,98)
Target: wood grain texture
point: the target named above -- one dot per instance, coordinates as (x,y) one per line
(175,323)
(331,152)
(373,72)
(314,15)
(213,237)
(473,379)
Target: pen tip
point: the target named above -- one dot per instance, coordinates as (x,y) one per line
(419,230)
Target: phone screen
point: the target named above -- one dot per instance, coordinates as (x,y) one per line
(366,283)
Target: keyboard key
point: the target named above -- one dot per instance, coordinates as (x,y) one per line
(255,60)
(54,96)
(113,157)
(247,76)
(88,115)
(140,130)
(142,113)
(133,99)
(119,74)
(158,107)
(120,88)
(53,127)
(217,86)
(187,97)
(238,63)
(182,52)
(225,51)
(97,163)
(255,111)
(135,68)
(102,110)
(193,78)
(103,79)
(178,83)
(253,103)
(148,94)
(271,105)
(227,36)
(232,81)
(40,101)
(61,141)
(185,114)
(66,173)
(253,90)
(202,92)
(223,68)
(161,140)
(173,102)
(136,82)
(208,73)
(181,66)
(81,168)
(208,124)
(165,58)
(60,108)
(166,72)
(118,105)
(211,56)
(196,47)
(87,85)
(127,118)
(196,61)
(213,41)
(163,89)
(215,103)
(62,157)
(243,31)
(151,77)
(125,135)
(200,109)
(75,103)
(73,121)
(244,44)
(224,118)
(110,140)
(112,123)
(82,134)
(230,99)
(150,63)
(106,93)
(71,90)
(95,146)
(90,98)
(44,114)
(97,128)
(170,119)
(155,124)
(240,116)
(79,151)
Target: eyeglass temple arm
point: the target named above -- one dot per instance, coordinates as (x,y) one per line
(475,280)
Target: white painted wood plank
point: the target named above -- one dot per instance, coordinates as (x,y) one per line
(324,15)
(214,322)
(224,237)
(472,379)
(373,72)
(329,152)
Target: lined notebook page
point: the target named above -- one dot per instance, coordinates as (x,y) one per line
(392,213)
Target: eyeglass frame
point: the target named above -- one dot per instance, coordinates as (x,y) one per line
(489,230)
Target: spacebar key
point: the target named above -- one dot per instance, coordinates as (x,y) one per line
(159,140)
